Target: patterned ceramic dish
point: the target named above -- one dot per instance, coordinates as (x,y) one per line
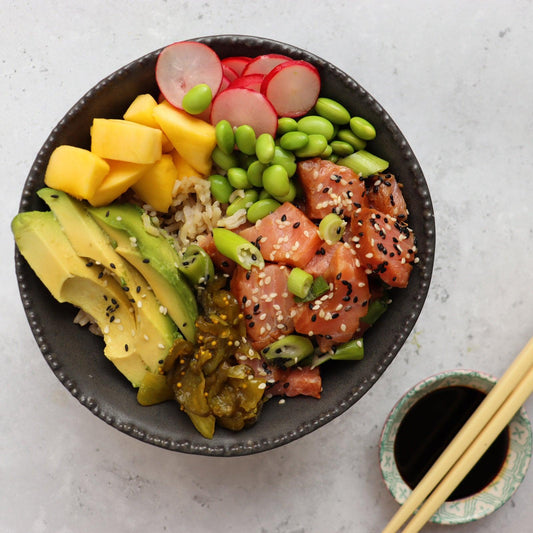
(76,357)
(498,491)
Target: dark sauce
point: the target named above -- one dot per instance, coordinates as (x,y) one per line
(430,425)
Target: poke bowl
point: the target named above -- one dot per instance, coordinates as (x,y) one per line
(76,355)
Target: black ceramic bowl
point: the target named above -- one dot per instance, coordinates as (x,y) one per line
(76,356)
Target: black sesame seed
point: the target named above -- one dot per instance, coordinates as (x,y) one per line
(313,318)
(248,275)
(296,225)
(335,315)
(126,347)
(146,260)
(112,265)
(283,218)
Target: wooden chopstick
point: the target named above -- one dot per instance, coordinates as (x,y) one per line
(474,426)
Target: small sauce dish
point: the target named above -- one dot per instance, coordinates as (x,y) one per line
(418,429)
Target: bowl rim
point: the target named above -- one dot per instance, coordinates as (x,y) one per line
(498,491)
(244,444)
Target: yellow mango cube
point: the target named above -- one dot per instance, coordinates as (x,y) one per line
(184,169)
(192,137)
(126,141)
(141,111)
(122,175)
(75,171)
(156,185)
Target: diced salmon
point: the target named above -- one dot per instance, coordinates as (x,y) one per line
(330,188)
(384,245)
(265,301)
(334,317)
(285,236)
(385,195)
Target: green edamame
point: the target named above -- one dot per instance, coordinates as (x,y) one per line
(245,139)
(197,99)
(261,209)
(238,178)
(332,110)
(313,124)
(327,152)
(276,180)
(290,196)
(255,173)
(293,140)
(225,136)
(349,136)
(263,195)
(316,145)
(362,128)
(221,188)
(286,124)
(286,159)
(223,160)
(342,148)
(264,148)
(243,202)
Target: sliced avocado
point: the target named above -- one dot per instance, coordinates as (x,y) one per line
(69,278)
(156,331)
(156,259)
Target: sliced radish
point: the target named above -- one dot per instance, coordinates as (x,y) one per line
(183,65)
(292,88)
(229,73)
(253,81)
(224,85)
(237,63)
(244,106)
(264,64)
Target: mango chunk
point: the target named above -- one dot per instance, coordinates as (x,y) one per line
(122,175)
(192,137)
(75,171)
(126,141)
(156,185)
(141,111)
(184,169)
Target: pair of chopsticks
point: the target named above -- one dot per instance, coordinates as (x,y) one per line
(469,445)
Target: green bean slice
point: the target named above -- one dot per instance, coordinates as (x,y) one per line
(196,266)
(299,282)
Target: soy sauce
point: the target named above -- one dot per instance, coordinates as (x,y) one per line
(430,425)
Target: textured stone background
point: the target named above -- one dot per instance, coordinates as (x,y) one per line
(457,77)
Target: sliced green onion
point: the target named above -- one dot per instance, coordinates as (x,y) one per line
(237,248)
(319,287)
(292,348)
(196,266)
(349,351)
(375,310)
(299,282)
(331,228)
(364,163)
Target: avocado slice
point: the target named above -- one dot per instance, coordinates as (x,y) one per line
(154,255)
(156,331)
(69,278)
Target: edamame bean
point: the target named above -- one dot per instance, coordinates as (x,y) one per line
(255,173)
(362,128)
(333,158)
(332,110)
(316,145)
(327,152)
(290,196)
(261,209)
(245,160)
(245,139)
(238,178)
(263,195)
(313,124)
(225,136)
(243,202)
(342,148)
(264,147)
(349,136)
(286,124)
(293,140)
(197,99)
(286,159)
(221,188)
(222,160)
(276,180)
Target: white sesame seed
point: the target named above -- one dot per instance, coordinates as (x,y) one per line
(361,284)
(369,255)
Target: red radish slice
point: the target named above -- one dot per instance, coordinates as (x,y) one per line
(229,73)
(292,88)
(244,106)
(264,64)
(183,65)
(237,63)
(225,84)
(253,81)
